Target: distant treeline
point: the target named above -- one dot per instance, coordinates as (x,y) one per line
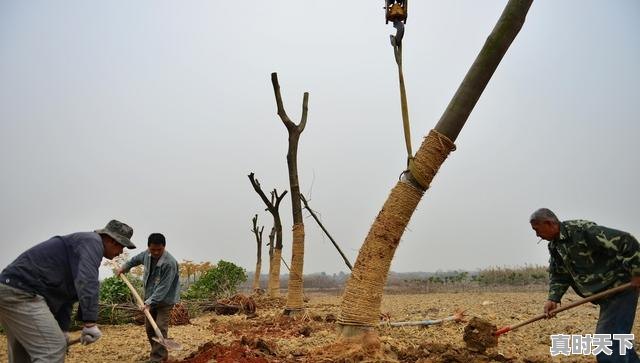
(529,277)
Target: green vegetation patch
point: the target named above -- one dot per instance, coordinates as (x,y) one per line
(222,280)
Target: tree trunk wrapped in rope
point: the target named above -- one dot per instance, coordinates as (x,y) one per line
(274,274)
(295,297)
(363,293)
(295,288)
(256,276)
(360,307)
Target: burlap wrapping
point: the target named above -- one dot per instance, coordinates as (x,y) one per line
(256,276)
(274,273)
(295,290)
(434,150)
(363,293)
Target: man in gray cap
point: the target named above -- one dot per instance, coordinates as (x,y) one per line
(39,288)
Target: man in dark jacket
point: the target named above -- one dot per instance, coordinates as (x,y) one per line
(592,258)
(161,288)
(39,288)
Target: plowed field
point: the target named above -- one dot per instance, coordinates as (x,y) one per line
(271,337)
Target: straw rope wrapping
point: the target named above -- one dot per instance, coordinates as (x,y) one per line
(274,273)
(295,301)
(256,276)
(361,303)
(432,153)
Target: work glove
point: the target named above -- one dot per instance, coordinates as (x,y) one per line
(90,334)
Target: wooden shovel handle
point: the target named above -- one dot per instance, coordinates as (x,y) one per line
(141,306)
(597,296)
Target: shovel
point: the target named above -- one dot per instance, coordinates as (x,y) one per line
(563,308)
(170,344)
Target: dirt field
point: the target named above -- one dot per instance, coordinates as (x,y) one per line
(269,337)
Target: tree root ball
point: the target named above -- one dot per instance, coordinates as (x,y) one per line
(478,335)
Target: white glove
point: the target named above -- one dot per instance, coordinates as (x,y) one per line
(90,334)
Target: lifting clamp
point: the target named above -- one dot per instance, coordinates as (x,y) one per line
(396,11)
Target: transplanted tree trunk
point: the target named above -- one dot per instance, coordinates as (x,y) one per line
(273,285)
(272,236)
(258,233)
(360,306)
(294,290)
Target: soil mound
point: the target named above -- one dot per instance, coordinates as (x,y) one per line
(478,335)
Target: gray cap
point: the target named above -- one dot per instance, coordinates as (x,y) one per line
(120,232)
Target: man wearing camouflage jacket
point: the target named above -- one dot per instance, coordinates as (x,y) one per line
(592,258)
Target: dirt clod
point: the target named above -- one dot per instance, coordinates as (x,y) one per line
(478,335)
(236,352)
(305,331)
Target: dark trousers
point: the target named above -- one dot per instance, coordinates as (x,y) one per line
(161,314)
(616,317)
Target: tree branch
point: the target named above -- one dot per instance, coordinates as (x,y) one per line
(256,186)
(278,199)
(281,111)
(306,206)
(305,109)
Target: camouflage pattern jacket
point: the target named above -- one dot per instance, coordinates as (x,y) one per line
(590,258)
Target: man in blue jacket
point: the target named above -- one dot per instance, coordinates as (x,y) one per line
(39,288)
(161,288)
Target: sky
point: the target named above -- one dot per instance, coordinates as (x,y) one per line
(154,113)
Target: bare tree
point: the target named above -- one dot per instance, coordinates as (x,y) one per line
(273,205)
(360,306)
(295,288)
(258,233)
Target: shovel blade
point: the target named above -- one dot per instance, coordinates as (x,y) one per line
(170,344)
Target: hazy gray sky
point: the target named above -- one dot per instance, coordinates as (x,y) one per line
(154,112)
